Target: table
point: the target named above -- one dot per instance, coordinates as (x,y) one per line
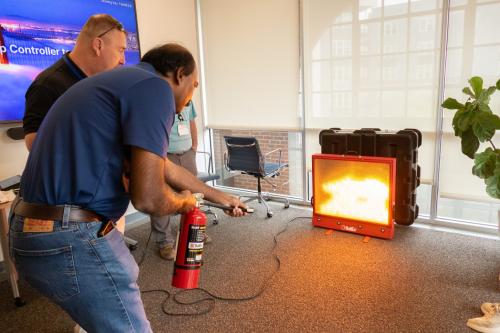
(9,265)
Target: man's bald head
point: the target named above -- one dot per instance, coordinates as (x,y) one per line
(101,45)
(98,25)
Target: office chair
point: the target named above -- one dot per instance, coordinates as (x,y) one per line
(208,177)
(244,155)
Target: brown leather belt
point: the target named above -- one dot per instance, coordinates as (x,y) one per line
(44,212)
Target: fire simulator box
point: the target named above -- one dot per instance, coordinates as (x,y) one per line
(402,145)
(354,193)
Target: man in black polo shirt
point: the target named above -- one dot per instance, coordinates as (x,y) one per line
(100,46)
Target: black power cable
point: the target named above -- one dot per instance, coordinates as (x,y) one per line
(145,249)
(212,297)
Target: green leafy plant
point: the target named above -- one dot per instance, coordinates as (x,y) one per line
(474,122)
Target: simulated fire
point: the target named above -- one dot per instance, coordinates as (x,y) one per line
(365,200)
(354,194)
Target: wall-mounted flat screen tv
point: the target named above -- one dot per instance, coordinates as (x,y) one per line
(36,33)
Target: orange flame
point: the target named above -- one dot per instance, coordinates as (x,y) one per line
(364,200)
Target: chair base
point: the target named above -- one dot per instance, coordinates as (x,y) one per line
(264,198)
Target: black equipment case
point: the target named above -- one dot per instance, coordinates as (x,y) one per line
(403,145)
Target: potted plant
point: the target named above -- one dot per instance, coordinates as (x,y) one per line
(474,123)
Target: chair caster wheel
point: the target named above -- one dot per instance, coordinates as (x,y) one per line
(132,247)
(270,214)
(287,205)
(18,301)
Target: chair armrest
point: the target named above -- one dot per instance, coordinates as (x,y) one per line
(273,151)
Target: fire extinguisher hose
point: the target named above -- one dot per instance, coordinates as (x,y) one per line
(224,207)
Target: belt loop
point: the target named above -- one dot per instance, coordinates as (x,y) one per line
(65,220)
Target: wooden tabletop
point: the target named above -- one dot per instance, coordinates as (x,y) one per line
(5,205)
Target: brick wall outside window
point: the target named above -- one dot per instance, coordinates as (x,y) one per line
(268,141)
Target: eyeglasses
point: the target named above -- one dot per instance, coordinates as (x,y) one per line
(117,26)
(180,117)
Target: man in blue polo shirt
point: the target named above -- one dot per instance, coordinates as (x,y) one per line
(72,186)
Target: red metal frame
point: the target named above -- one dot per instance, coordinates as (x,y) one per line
(358,226)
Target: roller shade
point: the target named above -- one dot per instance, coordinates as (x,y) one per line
(251,56)
(372,64)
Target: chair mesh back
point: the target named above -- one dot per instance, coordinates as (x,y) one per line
(244,155)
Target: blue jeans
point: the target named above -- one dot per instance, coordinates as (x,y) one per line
(94,279)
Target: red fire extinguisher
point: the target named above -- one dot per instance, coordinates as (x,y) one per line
(190,249)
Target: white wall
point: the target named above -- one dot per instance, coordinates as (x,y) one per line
(159,21)
(164,21)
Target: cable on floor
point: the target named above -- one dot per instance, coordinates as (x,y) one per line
(212,297)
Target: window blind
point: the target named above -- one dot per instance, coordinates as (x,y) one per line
(373,64)
(251,56)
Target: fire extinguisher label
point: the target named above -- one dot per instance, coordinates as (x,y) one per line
(194,249)
(195,246)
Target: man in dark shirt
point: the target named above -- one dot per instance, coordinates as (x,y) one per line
(72,186)
(100,46)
